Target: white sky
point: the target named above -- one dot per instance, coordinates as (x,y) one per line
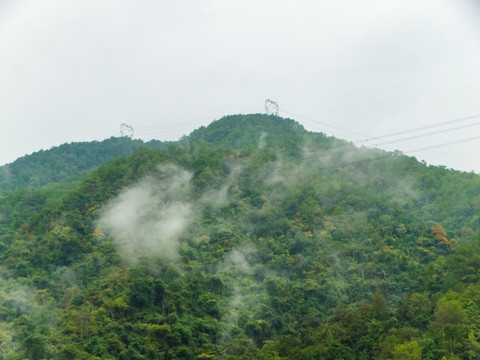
(75,70)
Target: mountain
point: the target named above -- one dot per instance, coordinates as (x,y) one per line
(252,238)
(66,162)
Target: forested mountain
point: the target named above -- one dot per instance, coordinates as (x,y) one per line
(67,161)
(249,239)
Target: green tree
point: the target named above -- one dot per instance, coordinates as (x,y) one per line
(407,351)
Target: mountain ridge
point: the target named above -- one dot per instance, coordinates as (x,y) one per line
(67,161)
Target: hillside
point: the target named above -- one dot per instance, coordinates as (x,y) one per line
(250,239)
(66,162)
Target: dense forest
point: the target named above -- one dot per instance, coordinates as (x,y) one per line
(67,161)
(251,238)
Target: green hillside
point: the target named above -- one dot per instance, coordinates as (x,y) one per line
(67,162)
(250,239)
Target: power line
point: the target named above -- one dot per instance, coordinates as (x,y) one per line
(377,103)
(429,134)
(445,144)
(181,126)
(323,123)
(332,126)
(458,120)
(389,154)
(169,128)
(404,131)
(420,128)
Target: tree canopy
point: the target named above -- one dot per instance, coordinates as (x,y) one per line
(250,239)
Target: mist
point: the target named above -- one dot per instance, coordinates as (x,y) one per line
(148,219)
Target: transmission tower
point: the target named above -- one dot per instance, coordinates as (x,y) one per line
(126,130)
(271,107)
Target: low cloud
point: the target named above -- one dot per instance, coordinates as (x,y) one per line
(148,219)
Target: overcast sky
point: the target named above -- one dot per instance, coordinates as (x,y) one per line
(76,70)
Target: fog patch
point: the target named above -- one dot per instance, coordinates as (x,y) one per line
(238,259)
(14,299)
(147,220)
(5,173)
(262,140)
(406,190)
(220,196)
(244,290)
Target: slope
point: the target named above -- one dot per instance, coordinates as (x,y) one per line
(283,244)
(67,161)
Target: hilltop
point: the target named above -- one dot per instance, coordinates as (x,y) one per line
(66,162)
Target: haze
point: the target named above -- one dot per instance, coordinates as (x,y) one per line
(75,71)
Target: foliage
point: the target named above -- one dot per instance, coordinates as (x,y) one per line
(250,239)
(66,162)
